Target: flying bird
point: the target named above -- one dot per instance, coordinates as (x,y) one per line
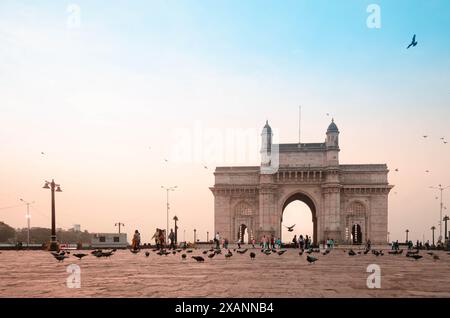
(413,42)
(42,153)
(445,142)
(425,136)
(427,171)
(396,169)
(290,228)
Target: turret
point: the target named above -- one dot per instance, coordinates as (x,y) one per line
(266,144)
(332,144)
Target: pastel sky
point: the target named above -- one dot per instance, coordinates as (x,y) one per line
(137,82)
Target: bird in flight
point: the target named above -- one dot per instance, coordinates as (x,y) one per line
(413,42)
(425,136)
(427,171)
(42,153)
(396,169)
(445,142)
(290,228)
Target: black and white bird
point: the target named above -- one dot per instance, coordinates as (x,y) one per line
(198,258)
(413,42)
(311,259)
(60,257)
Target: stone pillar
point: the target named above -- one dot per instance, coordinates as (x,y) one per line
(267,214)
(222,214)
(331,216)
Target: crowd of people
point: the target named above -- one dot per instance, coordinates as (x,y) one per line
(159,237)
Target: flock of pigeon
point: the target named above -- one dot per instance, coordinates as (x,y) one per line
(214,252)
(62,255)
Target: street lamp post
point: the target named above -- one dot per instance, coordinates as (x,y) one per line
(432,230)
(54,188)
(195,236)
(28,216)
(207,236)
(441,189)
(175,219)
(407,231)
(445,219)
(167,206)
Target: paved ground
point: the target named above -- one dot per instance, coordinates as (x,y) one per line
(38,274)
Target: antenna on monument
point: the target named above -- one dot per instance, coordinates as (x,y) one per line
(299,124)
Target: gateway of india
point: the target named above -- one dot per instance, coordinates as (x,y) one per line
(348,202)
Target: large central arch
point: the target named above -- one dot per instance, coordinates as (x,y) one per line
(300,196)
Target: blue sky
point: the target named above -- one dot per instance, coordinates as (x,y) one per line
(135,72)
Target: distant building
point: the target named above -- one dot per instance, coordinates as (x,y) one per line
(77,228)
(109,240)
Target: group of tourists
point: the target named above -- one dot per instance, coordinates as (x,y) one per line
(159,237)
(270,242)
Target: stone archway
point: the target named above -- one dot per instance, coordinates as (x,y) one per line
(300,196)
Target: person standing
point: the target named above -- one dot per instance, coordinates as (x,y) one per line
(172,239)
(294,240)
(301,242)
(264,242)
(217,240)
(136,242)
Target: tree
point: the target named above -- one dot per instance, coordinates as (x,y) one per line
(7,233)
